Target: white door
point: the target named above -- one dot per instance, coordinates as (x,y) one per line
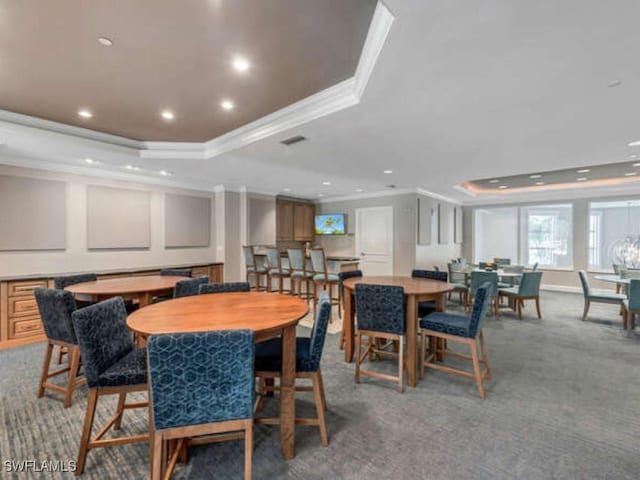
(374,240)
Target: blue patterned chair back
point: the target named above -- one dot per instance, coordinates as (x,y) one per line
(319,331)
(318,260)
(103,336)
(273,258)
(348,274)
(296,259)
(209,378)
(530,284)
(456,273)
(249,259)
(479,278)
(479,310)
(189,288)
(226,287)
(535,267)
(634,294)
(586,290)
(175,272)
(430,274)
(56,307)
(380,308)
(62,282)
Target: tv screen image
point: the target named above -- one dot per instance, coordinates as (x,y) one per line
(330,224)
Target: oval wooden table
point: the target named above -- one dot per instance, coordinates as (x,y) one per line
(142,288)
(415,290)
(267,314)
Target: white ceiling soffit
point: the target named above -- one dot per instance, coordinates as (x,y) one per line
(333,99)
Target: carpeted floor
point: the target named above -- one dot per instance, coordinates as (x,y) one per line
(563,403)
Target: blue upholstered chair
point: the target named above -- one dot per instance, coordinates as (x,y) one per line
(254,268)
(175,272)
(214,396)
(62,282)
(478,279)
(589,296)
(458,328)
(268,365)
(508,281)
(344,276)
(275,270)
(529,289)
(56,307)
(226,287)
(190,287)
(324,279)
(299,273)
(458,280)
(631,306)
(380,315)
(425,308)
(112,365)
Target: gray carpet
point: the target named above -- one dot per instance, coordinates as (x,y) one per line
(563,402)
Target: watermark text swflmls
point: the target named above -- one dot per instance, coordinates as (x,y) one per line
(52,466)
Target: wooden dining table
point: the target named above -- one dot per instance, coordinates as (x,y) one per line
(415,290)
(143,288)
(268,314)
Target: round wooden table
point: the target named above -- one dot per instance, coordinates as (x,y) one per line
(415,290)
(143,288)
(267,314)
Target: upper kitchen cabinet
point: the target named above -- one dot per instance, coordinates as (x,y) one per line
(295,221)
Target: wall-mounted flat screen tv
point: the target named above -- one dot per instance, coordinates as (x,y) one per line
(330,224)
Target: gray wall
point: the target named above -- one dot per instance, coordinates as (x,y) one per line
(261,219)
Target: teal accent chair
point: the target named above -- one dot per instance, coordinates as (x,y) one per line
(275,270)
(458,280)
(631,306)
(510,281)
(324,279)
(299,273)
(254,268)
(529,289)
(478,279)
(589,296)
(535,267)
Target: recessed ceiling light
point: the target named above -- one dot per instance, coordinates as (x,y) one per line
(495,180)
(132,168)
(584,170)
(387,171)
(241,64)
(107,42)
(582,179)
(91,161)
(320,195)
(227,104)
(630,174)
(165,173)
(539,183)
(634,144)
(286,189)
(502,187)
(168,115)
(614,83)
(85,113)
(326,183)
(636,164)
(535,176)
(359,190)
(632,157)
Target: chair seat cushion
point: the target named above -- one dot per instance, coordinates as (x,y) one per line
(504,285)
(607,297)
(302,274)
(425,308)
(509,291)
(129,370)
(275,271)
(459,286)
(446,323)
(331,277)
(268,356)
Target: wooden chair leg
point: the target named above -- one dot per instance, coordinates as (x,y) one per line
(74,366)
(122,397)
(476,367)
(317,395)
(586,309)
(401,366)
(538,307)
(496,307)
(358,349)
(61,352)
(157,457)
(248,449)
(92,401)
(625,315)
(45,368)
(519,304)
(485,357)
(321,383)
(423,354)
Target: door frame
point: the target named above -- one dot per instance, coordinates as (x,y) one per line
(387,210)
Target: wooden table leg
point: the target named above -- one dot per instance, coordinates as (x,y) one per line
(144,299)
(441,343)
(348,325)
(287,393)
(412,340)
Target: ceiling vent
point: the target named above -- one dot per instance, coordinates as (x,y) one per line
(391,186)
(292,140)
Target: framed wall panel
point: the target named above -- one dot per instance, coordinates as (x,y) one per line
(445,223)
(457,224)
(187,221)
(117,218)
(425,214)
(33,214)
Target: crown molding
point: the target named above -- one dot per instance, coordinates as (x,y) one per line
(437,196)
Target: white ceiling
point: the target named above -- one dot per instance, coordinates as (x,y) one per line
(461,90)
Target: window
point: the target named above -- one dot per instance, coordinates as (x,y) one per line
(547,235)
(495,233)
(616,220)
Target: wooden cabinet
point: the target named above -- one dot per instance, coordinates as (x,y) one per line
(295,221)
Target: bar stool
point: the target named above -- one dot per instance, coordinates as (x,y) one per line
(322,278)
(299,273)
(275,270)
(252,266)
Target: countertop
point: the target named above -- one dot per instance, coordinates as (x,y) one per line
(330,258)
